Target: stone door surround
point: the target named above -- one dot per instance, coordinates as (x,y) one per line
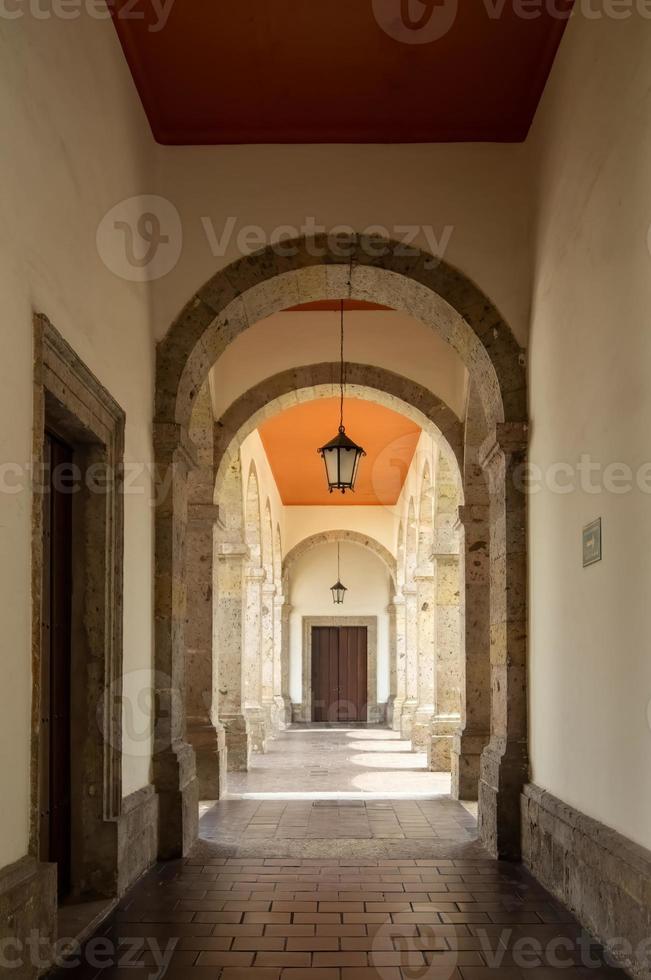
(303,711)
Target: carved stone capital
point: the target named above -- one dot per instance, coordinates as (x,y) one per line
(231,550)
(172,443)
(507,438)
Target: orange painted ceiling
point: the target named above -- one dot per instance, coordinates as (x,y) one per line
(341,71)
(291,440)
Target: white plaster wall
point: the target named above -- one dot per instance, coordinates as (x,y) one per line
(390,340)
(368,583)
(478,192)
(590,360)
(75,142)
(303,522)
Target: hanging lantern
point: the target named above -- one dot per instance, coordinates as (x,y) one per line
(341,455)
(338,590)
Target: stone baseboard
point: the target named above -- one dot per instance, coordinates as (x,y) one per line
(601,876)
(137,836)
(28,906)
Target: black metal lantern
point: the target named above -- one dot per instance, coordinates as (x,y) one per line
(338,590)
(341,455)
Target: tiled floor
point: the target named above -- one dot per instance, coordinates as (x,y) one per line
(218,918)
(340,761)
(339,890)
(325,828)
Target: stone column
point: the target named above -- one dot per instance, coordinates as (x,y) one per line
(205,734)
(284,663)
(229,626)
(504,761)
(282,707)
(427,655)
(254,577)
(474,731)
(411,661)
(267,659)
(174,770)
(396,662)
(447,717)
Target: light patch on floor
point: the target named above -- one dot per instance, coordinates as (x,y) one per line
(338,763)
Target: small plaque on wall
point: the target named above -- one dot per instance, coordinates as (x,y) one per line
(592,542)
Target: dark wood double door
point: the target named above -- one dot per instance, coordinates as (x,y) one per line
(339,673)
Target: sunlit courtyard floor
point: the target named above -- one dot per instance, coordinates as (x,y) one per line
(337,790)
(342,762)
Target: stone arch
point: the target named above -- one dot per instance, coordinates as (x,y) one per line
(252,517)
(313,381)
(400,555)
(411,543)
(326,537)
(278,556)
(425,513)
(441,297)
(363,268)
(268,541)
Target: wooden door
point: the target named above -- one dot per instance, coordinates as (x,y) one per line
(339,673)
(55,768)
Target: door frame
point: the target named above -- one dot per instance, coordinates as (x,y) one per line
(71,402)
(375,713)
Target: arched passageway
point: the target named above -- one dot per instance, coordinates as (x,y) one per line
(450,304)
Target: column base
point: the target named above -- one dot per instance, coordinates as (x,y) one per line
(175,778)
(376,713)
(467,748)
(275,715)
(407,718)
(439,751)
(421,729)
(256,723)
(503,773)
(238,743)
(209,744)
(394,712)
(28,908)
(283,712)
